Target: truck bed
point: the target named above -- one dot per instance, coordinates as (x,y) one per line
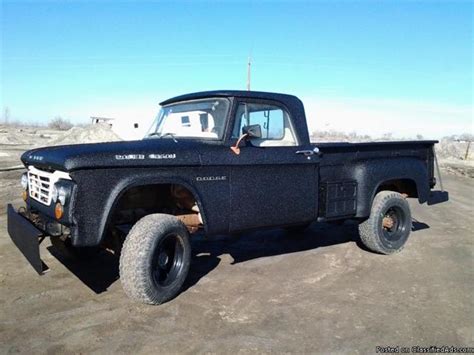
(350,174)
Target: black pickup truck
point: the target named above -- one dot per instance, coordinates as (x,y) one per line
(218,162)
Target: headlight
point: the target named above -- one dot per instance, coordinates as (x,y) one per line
(24,181)
(61,192)
(54,193)
(62,195)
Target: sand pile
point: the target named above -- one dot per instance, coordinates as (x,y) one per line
(88,134)
(452,157)
(14,140)
(27,135)
(17,135)
(336,136)
(451,153)
(39,136)
(449,149)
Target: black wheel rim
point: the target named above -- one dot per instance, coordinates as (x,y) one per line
(168,259)
(393,224)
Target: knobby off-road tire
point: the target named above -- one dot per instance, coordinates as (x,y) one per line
(155,259)
(375,234)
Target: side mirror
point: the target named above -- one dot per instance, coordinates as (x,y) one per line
(252,131)
(248,132)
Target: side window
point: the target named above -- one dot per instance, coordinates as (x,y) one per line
(185,122)
(274,122)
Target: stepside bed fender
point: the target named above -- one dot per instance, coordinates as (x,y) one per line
(372,174)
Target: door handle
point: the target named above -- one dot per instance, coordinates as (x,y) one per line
(305,152)
(308,152)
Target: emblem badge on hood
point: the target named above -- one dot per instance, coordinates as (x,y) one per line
(130,157)
(162,156)
(211,178)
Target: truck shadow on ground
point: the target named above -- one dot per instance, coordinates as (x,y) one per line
(100,272)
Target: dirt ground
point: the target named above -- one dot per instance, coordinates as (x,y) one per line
(263,292)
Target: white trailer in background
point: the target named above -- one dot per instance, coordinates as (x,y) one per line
(102,120)
(126,128)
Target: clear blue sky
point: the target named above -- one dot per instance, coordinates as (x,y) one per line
(57,56)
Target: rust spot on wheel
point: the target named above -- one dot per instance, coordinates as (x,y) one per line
(388,222)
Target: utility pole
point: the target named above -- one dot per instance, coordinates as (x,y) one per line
(6,115)
(248,73)
(466,156)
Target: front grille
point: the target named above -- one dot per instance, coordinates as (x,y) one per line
(39,183)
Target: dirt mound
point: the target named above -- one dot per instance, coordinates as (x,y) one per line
(335,136)
(88,134)
(27,135)
(451,152)
(449,149)
(16,135)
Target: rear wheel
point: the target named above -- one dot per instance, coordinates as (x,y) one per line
(389,224)
(155,259)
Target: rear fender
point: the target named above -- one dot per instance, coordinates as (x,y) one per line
(372,174)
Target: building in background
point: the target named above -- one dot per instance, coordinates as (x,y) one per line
(125,127)
(103,120)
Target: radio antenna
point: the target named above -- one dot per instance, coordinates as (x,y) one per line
(249,64)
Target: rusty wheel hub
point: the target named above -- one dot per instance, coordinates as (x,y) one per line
(388,222)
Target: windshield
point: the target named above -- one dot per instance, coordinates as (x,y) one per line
(204,119)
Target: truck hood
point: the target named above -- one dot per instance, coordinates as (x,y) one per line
(143,153)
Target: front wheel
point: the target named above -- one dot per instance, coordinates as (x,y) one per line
(155,259)
(389,224)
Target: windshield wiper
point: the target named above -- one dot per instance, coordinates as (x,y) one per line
(169,134)
(163,135)
(153,134)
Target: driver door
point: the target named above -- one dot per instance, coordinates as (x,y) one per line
(273,182)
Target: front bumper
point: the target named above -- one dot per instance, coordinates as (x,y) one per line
(27,237)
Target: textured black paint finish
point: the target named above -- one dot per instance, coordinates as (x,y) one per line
(371,164)
(262,187)
(97,200)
